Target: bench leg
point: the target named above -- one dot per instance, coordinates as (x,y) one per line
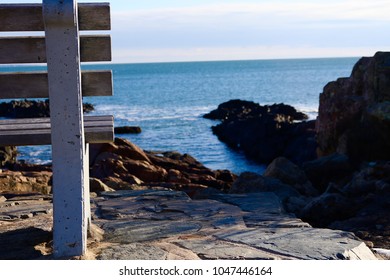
(70,167)
(72,212)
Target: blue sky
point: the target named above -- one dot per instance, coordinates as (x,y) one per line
(189,30)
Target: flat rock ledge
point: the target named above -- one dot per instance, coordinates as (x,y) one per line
(167,225)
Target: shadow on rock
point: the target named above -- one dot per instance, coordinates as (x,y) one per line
(20,244)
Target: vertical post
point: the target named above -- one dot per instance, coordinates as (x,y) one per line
(70,168)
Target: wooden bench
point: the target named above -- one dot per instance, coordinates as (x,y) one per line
(67,130)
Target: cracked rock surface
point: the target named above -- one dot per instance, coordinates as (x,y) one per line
(168,225)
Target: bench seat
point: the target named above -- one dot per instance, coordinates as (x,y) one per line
(36,131)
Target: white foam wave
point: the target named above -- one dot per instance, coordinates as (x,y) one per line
(146,113)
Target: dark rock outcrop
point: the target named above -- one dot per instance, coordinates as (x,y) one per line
(290,174)
(354,112)
(30,109)
(336,169)
(249,182)
(127,130)
(265,132)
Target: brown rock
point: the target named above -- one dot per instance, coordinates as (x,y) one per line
(145,170)
(175,176)
(25,182)
(98,186)
(108,168)
(129,150)
(225,175)
(107,156)
(175,160)
(119,184)
(125,161)
(97,149)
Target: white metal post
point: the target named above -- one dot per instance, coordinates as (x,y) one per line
(70,168)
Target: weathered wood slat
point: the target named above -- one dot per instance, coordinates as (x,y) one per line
(34,125)
(35,84)
(33,49)
(25,132)
(45,125)
(47,120)
(28,17)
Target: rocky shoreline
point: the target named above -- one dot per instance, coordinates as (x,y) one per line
(335,171)
(332,173)
(122,167)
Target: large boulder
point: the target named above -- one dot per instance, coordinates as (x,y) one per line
(265,132)
(249,182)
(354,112)
(335,168)
(290,174)
(327,208)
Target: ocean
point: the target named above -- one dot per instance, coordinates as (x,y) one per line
(168,100)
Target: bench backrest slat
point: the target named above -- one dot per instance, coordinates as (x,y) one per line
(28,17)
(33,49)
(35,84)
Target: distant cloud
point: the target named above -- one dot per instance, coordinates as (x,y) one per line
(236,53)
(275,12)
(253,30)
(172,30)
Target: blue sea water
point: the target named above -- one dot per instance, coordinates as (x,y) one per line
(167,100)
